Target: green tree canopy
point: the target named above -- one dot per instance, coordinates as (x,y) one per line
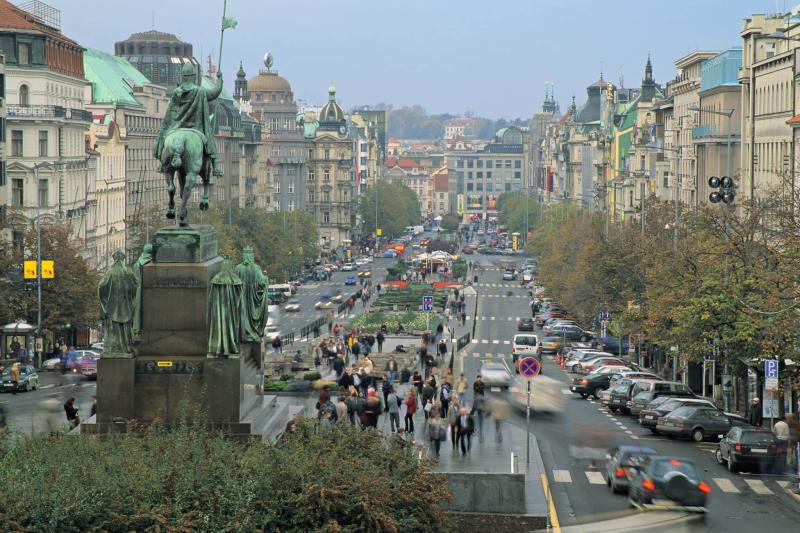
(398,207)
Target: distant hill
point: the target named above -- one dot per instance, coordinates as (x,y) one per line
(415,123)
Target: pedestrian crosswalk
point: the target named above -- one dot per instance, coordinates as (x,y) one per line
(501,318)
(500,285)
(735,485)
(488,355)
(490,341)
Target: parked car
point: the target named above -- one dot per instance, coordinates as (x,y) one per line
(658,384)
(622,465)
(293,306)
(748,448)
(350,280)
(28,379)
(696,423)
(593,384)
(496,375)
(641,400)
(525,324)
(669,480)
(571,331)
(550,323)
(613,345)
(664,405)
(620,394)
(587,367)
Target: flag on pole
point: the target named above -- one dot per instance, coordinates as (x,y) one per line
(228,23)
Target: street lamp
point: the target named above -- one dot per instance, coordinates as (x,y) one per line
(729,114)
(36,168)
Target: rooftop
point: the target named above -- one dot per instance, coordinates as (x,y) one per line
(112,78)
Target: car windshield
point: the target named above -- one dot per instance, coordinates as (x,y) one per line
(643,397)
(757,437)
(636,458)
(664,466)
(525,341)
(682,412)
(667,405)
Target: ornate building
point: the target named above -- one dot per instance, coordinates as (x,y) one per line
(157,55)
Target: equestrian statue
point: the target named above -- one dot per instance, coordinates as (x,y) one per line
(185,145)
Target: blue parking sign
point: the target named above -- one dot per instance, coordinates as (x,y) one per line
(771,368)
(427,303)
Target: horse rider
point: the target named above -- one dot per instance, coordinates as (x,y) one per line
(188,108)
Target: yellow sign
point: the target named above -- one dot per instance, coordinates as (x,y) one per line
(30,269)
(48,270)
(380,232)
(515,241)
(163,363)
(460,204)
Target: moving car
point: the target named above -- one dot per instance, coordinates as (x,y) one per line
(365,274)
(496,374)
(669,482)
(391,254)
(525,324)
(87,366)
(622,465)
(350,280)
(270,332)
(509,275)
(72,360)
(696,423)
(747,448)
(293,306)
(525,345)
(348,267)
(28,379)
(361,261)
(323,304)
(467,250)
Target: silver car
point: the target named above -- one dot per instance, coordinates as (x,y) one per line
(496,375)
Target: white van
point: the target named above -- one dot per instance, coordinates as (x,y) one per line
(285,288)
(525,345)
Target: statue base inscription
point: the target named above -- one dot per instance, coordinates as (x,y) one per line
(192,244)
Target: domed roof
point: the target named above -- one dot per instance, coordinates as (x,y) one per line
(331,112)
(268,81)
(153,35)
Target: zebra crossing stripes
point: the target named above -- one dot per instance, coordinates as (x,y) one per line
(562,476)
(595,478)
(758,486)
(726,485)
(490,341)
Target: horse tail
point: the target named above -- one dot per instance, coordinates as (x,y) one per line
(178,144)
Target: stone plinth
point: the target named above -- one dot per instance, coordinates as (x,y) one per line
(175,307)
(147,388)
(193,244)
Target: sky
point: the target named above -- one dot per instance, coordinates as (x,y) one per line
(450,56)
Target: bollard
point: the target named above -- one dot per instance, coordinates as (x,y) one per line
(512,463)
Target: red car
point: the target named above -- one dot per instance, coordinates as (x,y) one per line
(540,319)
(467,250)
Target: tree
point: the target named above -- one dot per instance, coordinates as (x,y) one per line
(68,299)
(450,223)
(398,207)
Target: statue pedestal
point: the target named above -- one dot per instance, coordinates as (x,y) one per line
(171,376)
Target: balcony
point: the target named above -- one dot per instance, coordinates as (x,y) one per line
(48,112)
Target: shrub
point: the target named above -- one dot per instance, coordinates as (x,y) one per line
(312,376)
(187,479)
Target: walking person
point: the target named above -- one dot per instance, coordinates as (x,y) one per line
(445,391)
(435,427)
(380,338)
(72,413)
(465,426)
(391,370)
(461,388)
(442,349)
(452,415)
(499,411)
(393,403)
(428,392)
(756,416)
(781,431)
(411,408)
(416,381)
(15,373)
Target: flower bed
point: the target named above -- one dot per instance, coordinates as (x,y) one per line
(409,320)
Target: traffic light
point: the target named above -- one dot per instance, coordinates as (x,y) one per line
(727,190)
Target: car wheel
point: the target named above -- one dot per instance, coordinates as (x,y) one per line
(732,466)
(654,431)
(597,392)
(718,456)
(584,338)
(612,409)
(583,395)
(697,435)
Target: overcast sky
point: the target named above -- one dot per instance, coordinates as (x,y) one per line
(491,57)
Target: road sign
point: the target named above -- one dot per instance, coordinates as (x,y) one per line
(379,232)
(771,384)
(427,304)
(30,269)
(529,367)
(708,357)
(771,368)
(605,315)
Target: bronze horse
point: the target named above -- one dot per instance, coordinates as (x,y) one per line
(183,155)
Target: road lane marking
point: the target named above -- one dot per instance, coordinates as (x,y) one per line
(595,478)
(495,341)
(506,342)
(562,476)
(475,341)
(758,486)
(725,485)
(566,391)
(551,508)
(484,341)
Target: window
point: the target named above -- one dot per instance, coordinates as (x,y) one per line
(488,163)
(441,206)
(290,187)
(311,176)
(23,95)
(469,175)
(291,171)
(278,187)
(24,54)
(489,175)
(273,125)
(326,196)
(441,196)
(508,187)
(479,186)
(363,161)
(508,163)
(460,163)
(327,153)
(17,192)
(480,163)
(517,163)
(2,173)
(43,188)
(498,163)
(480,174)
(326,217)
(312,197)
(326,175)
(470,163)
(42,143)
(666,180)
(517,175)
(291,205)
(469,187)
(16,143)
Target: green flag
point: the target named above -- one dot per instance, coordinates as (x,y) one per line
(229,23)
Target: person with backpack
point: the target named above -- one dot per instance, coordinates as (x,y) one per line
(444,397)
(393,403)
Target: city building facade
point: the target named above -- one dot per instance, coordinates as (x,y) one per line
(159,56)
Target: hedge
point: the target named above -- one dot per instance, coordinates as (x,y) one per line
(186,479)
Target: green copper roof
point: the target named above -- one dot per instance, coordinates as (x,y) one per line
(108,75)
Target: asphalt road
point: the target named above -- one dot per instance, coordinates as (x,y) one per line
(571,431)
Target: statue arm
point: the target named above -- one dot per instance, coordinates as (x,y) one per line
(215,92)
